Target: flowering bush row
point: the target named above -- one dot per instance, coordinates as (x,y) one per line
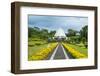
(43,53)
(74,52)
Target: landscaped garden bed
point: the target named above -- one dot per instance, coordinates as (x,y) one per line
(74,52)
(43,53)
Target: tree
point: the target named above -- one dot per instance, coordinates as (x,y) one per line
(44,33)
(52,33)
(30,31)
(36,28)
(33,31)
(84,33)
(71,36)
(71,32)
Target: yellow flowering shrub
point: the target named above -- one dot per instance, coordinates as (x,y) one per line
(74,52)
(43,53)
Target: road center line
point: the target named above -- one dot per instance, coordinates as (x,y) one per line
(66,56)
(52,56)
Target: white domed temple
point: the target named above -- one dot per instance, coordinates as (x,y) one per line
(60,34)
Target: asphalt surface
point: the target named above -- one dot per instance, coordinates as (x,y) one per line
(59,53)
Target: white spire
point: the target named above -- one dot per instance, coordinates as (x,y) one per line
(60,33)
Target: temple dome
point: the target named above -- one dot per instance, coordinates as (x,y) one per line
(60,33)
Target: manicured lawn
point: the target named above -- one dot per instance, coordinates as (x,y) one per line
(33,50)
(35,42)
(39,49)
(81,49)
(35,45)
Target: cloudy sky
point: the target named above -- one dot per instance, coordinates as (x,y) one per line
(55,22)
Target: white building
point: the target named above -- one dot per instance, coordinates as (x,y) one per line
(60,34)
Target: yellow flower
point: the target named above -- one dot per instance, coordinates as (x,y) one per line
(74,52)
(43,53)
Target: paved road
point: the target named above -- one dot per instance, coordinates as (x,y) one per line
(59,53)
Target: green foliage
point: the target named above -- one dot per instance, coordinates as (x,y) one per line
(51,34)
(35,49)
(44,34)
(71,32)
(76,37)
(35,32)
(84,34)
(35,42)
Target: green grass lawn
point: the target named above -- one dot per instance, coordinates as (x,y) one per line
(33,50)
(35,45)
(33,42)
(81,49)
